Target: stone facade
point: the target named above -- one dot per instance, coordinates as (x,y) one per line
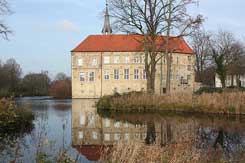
(95,74)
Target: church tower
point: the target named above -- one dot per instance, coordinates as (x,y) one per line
(107,27)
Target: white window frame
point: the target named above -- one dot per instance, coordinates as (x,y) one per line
(107,123)
(126,74)
(91,120)
(92,76)
(117,136)
(136,74)
(80,61)
(127,59)
(82,76)
(107,137)
(117,124)
(82,119)
(116,59)
(80,135)
(106,59)
(126,136)
(143,59)
(94,135)
(94,62)
(136,59)
(116,74)
(107,74)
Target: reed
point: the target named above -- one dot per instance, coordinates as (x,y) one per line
(136,152)
(220,103)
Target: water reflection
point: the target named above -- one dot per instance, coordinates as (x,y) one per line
(91,131)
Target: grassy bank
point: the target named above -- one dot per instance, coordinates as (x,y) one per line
(128,152)
(219,103)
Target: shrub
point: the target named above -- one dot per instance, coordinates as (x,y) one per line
(60,89)
(13,119)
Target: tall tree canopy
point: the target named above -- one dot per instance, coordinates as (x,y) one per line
(152,18)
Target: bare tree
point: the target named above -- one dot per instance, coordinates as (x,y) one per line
(201,44)
(4,10)
(150,19)
(179,22)
(226,51)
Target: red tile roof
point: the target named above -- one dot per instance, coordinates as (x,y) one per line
(92,152)
(128,43)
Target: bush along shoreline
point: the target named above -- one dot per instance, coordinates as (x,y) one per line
(232,103)
(13,119)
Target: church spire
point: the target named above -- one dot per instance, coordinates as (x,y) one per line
(107,27)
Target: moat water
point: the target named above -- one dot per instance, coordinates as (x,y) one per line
(77,127)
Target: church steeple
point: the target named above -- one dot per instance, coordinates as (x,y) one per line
(107,27)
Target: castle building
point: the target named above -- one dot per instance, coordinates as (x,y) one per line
(109,63)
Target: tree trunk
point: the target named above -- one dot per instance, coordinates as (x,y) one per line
(232,80)
(168,81)
(223,83)
(151,79)
(167,49)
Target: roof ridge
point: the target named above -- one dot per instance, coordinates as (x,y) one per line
(128,43)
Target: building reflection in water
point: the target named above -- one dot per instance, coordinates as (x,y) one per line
(91,131)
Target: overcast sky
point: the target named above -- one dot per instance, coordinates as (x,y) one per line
(45,31)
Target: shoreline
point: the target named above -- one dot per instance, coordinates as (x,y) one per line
(212,103)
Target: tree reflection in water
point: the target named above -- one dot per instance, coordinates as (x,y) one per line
(150,133)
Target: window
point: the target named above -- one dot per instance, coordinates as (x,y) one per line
(82,119)
(91,120)
(188,77)
(106,137)
(82,76)
(117,124)
(189,58)
(80,135)
(143,59)
(126,125)
(171,76)
(117,136)
(126,136)
(116,74)
(136,59)
(177,77)
(116,59)
(177,60)
(126,74)
(144,74)
(107,75)
(94,61)
(107,122)
(106,59)
(91,76)
(136,74)
(127,59)
(189,67)
(80,62)
(94,135)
